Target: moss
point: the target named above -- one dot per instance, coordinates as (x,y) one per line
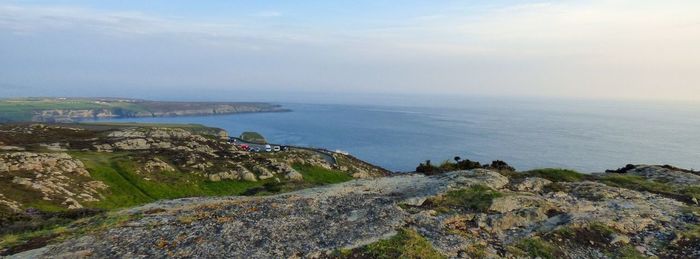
(601,229)
(476,251)
(628,252)
(475,198)
(406,244)
(555,174)
(535,247)
(565,232)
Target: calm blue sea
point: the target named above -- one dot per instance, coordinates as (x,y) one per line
(586,136)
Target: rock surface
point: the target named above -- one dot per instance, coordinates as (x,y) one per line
(315,222)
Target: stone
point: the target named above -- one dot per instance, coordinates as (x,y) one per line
(294,176)
(531,184)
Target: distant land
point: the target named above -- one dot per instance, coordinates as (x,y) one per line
(40,109)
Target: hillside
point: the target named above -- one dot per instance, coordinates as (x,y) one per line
(52,175)
(74,109)
(125,191)
(463,214)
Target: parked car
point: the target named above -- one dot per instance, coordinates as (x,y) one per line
(268,148)
(245,147)
(256,149)
(276,148)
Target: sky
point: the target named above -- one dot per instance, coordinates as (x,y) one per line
(615,49)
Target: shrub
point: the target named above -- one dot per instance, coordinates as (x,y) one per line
(427,168)
(499,165)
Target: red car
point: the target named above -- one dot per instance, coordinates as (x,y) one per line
(245,147)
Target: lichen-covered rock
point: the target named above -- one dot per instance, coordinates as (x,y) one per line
(315,222)
(156,165)
(531,184)
(294,176)
(53,176)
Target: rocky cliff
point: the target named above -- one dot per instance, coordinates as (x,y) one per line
(75,109)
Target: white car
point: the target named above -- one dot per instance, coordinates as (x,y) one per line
(276,148)
(268,148)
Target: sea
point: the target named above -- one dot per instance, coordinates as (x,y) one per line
(588,136)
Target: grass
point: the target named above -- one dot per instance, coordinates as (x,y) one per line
(319,176)
(535,247)
(628,252)
(475,198)
(406,244)
(634,182)
(127,188)
(554,174)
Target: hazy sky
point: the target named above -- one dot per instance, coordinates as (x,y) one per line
(592,49)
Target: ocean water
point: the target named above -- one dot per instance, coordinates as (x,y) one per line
(585,136)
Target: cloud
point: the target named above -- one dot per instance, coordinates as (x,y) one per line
(625,49)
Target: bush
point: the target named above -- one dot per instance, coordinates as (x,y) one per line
(459,164)
(427,168)
(499,165)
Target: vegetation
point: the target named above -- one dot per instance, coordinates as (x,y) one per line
(319,176)
(406,244)
(127,188)
(634,182)
(536,248)
(459,164)
(253,137)
(554,174)
(475,198)
(22,109)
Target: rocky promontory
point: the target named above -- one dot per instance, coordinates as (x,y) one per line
(75,109)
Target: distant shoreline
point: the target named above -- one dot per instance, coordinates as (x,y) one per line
(39,109)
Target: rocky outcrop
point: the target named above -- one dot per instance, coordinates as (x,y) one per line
(52,176)
(462,214)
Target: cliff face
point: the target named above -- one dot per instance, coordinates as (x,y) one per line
(73,109)
(151,109)
(463,214)
(72,115)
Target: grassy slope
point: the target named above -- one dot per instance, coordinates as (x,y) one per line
(128,188)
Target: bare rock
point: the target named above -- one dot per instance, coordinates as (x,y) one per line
(531,184)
